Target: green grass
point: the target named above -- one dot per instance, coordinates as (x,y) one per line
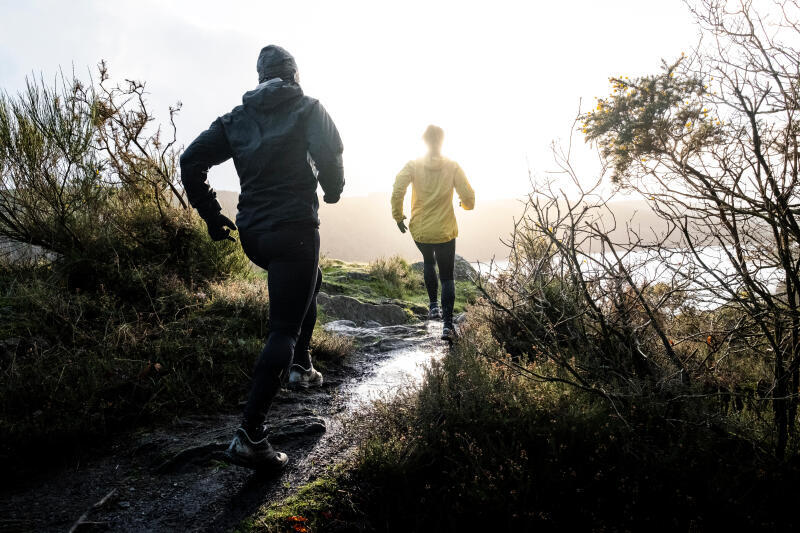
(315,505)
(386,279)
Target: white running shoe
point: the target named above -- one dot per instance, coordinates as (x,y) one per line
(300,377)
(258,455)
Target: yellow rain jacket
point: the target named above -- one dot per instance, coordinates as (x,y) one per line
(432,181)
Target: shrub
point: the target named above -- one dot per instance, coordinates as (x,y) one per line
(85,176)
(127,317)
(482,446)
(395,276)
(329,347)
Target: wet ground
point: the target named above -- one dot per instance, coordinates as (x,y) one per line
(175,478)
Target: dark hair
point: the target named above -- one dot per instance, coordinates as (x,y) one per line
(433,134)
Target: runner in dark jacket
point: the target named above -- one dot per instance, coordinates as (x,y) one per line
(282,143)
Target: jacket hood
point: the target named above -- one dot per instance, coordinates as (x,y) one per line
(434,163)
(274,61)
(271,93)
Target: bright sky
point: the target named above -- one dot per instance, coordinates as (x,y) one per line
(503,78)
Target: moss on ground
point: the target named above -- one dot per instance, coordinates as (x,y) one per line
(315,505)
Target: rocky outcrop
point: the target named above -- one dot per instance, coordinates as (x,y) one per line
(462,269)
(348,308)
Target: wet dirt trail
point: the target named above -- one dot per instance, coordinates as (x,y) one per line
(174,478)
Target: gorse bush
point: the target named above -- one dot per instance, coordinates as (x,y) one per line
(703,303)
(710,143)
(85,175)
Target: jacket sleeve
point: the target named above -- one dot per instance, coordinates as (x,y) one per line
(464,189)
(325,147)
(399,191)
(209,148)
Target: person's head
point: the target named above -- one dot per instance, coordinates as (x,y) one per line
(433,137)
(276,62)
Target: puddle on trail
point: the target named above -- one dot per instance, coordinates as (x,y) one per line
(396,369)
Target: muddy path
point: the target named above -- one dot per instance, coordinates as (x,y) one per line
(174,478)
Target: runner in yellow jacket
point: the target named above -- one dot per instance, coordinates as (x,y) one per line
(433,222)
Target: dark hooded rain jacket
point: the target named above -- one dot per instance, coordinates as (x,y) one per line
(282,143)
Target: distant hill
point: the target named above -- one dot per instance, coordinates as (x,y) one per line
(361,228)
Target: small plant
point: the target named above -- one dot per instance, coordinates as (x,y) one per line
(395,276)
(330,347)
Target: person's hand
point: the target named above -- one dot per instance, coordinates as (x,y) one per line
(402,226)
(220,227)
(330,199)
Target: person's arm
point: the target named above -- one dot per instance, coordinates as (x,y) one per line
(401,183)
(210,148)
(325,147)
(464,189)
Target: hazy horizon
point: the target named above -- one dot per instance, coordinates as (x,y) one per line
(361,228)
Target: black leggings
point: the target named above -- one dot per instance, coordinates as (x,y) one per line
(443,255)
(291,258)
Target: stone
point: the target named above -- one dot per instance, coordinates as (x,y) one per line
(357,275)
(348,308)
(390,344)
(334,325)
(297,428)
(380,338)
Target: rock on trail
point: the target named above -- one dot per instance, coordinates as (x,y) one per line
(354,310)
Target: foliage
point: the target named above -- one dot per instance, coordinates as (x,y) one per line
(312,508)
(80,367)
(479,446)
(84,177)
(395,276)
(662,115)
(725,189)
(329,348)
